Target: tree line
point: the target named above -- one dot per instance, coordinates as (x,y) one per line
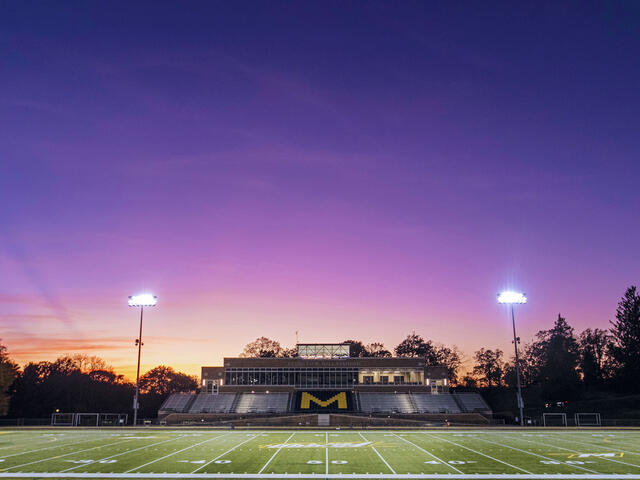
(81,383)
(559,364)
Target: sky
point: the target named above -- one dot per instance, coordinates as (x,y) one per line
(358,169)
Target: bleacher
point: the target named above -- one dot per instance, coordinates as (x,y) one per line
(429,403)
(177,402)
(472,402)
(385,402)
(277,402)
(369,402)
(207,403)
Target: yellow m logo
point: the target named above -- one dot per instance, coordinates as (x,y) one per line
(307,398)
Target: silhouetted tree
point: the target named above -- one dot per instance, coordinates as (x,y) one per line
(555,355)
(376,349)
(163,380)
(625,330)
(357,348)
(594,347)
(489,366)
(416,346)
(451,358)
(8,373)
(262,347)
(44,387)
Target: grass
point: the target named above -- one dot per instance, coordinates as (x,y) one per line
(143,453)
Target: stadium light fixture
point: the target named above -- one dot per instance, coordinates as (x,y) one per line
(141,300)
(515,298)
(512,297)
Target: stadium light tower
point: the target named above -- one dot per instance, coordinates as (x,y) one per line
(142,300)
(512,298)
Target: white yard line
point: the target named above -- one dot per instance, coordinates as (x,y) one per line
(122,453)
(337,476)
(230,450)
(538,455)
(65,455)
(181,450)
(378,453)
(326,453)
(429,453)
(483,454)
(576,451)
(276,452)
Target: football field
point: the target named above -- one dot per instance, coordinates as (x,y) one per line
(193,453)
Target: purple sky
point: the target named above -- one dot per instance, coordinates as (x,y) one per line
(348,170)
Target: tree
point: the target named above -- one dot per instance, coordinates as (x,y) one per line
(416,346)
(555,355)
(594,347)
(489,366)
(357,348)
(44,387)
(376,349)
(8,373)
(450,358)
(164,380)
(289,352)
(625,331)
(262,347)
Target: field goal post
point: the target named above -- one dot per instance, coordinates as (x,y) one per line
(63,419)
(587,420)
(551,419)
(87,420)
(113,419)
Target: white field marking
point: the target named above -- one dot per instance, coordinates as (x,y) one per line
(223,454)
(275,453)
(53,446)
(575,451)
(429,453)
(124,453)
(537,455)
(326,453)
(589,444)
(378,453)
(64,455)
(169,455)
(483,454)
(337,476)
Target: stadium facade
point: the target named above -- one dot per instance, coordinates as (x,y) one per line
(322,378)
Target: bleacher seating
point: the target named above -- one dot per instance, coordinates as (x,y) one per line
(386,402)
(177,402)
(429,403)
(472,402)
(207,403)
(277,402)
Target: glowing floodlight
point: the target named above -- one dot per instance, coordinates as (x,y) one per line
(143,300)
(512,297)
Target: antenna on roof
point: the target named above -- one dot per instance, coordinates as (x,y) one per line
(297,341)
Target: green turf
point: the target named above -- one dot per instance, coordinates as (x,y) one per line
(108,453)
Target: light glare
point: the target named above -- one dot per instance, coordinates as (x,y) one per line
(512,297)
(143,300)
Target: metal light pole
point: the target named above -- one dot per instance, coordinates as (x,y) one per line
(143,300)
(511,298)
